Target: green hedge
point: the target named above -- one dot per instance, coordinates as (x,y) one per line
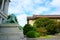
(32,34)
(28,28)
(52,26)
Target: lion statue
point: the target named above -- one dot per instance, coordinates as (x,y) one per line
(11,19)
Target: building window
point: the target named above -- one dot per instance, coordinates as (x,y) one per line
(0,3)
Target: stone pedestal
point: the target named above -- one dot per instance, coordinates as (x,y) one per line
(10,32)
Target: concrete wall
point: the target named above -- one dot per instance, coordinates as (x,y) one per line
(10,32)
(11,36)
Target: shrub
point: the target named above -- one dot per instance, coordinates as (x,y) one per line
(42,31)
(28,28)
(41,22)
(32,34)
(58,27)
(51,28)
(49,24)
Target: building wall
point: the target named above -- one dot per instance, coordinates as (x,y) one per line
(58,20)
(4,10)
(31,22)
(2,19)
(6,5)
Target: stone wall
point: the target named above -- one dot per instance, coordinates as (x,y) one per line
(10,32)
(11,36)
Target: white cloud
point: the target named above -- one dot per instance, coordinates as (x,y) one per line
(22,19)
(55,13)
(15,7)
(38,1)
(40,10)
(55,3)
(36,14)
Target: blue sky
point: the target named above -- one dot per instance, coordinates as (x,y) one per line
(24,8)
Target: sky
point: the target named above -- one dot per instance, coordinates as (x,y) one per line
(24,8)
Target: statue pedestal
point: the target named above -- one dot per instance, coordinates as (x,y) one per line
(10,32)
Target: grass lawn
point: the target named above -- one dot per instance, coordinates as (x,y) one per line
(47,36)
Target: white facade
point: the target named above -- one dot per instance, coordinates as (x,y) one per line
(4,4)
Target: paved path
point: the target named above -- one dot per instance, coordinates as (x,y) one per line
(55,38)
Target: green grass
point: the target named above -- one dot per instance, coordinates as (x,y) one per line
(47,36)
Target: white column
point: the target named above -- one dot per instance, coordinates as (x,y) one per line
(2,6)
(6,7)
